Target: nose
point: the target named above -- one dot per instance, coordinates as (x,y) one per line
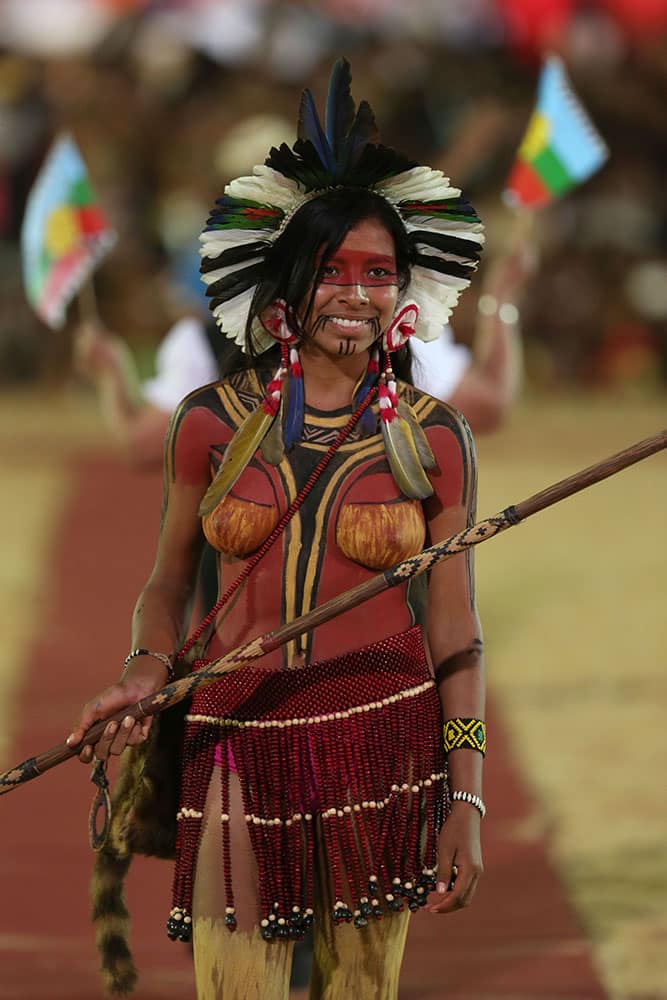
(357,293)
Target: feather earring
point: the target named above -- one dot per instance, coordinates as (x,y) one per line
(293,429)
(246,441)
(275,321)
(399,443)
(424,450)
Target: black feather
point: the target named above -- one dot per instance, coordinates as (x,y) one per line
(301,164)
(450,267)
(377,163)
(233,284)
(445,243)
(309,129)
(234,255)
(364,131)
(339,113)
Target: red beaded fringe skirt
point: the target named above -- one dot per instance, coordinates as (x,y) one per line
(347,752)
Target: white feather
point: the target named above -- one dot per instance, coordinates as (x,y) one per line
(418,184)
(268,187)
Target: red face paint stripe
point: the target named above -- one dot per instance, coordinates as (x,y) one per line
(356,267)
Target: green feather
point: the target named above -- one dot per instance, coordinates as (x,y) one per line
(426,456)
(239,452)
(273,446)
(403,458)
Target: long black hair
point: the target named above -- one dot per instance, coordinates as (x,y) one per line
(291,270)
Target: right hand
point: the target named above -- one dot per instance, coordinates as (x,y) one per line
(115,736)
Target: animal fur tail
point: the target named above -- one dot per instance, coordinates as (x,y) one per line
(143,821)
(112,921)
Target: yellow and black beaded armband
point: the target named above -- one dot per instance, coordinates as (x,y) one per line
(467,733)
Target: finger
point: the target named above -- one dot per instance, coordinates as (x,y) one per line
(460,894)
(110,701)
(123,733)
(91,713)
(448,904)
(450,873)
(103,745)
(469,891)
(140,732)
(137,734)
(447,892)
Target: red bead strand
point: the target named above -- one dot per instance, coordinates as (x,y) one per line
(279,528)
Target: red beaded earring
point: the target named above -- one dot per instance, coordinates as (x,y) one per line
(401,327)
(274,320)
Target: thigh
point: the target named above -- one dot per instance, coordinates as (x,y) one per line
(363,962)
(350,961)
(236,965)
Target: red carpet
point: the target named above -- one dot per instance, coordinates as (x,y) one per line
(519,940)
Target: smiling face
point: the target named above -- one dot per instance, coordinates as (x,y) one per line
(357,295)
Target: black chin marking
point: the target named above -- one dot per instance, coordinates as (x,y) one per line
(346,346)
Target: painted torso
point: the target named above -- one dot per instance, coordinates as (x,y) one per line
(353,524)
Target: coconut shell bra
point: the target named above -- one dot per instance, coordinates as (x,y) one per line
(361,509)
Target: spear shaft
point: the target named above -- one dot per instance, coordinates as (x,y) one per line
(400,573)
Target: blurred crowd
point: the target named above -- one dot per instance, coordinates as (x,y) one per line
(168,99)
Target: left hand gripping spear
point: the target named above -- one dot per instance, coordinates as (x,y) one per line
(400,573)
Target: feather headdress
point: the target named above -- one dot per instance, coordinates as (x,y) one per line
(442,226)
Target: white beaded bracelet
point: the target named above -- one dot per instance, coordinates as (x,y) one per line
(164,658)
(474,800)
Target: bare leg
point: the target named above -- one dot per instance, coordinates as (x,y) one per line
(362,963)
(238,965)
(351,962)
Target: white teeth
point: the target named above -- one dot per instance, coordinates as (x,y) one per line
(341,321)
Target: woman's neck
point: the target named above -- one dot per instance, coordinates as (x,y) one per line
(329,382)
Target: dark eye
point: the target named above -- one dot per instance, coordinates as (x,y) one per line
(379,272)
(329,271)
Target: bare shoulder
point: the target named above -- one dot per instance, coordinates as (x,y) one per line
(432,413)
(205,421)
(455,477)
(229,399)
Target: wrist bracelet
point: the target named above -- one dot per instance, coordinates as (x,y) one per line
(473,800)
(467,733)
(164,658)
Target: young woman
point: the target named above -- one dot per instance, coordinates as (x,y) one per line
(317,787)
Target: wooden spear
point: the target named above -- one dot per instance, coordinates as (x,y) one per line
(400,573)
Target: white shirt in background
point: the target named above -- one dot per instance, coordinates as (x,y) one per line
(184,362)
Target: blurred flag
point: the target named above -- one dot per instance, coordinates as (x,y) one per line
(561,147)
(64,232)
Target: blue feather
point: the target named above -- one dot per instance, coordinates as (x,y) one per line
(293,426)
(339,113)
(368,422)
(310,130)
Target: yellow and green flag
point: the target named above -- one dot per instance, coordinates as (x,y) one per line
(561,147)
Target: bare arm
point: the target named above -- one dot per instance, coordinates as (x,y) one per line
(138,426)
(161,611)
(492,383)
(455,642)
